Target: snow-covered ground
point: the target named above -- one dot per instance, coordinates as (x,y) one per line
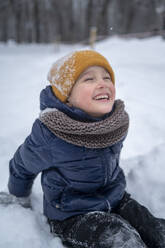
(139,66)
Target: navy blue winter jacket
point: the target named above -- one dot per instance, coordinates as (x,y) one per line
(75,180)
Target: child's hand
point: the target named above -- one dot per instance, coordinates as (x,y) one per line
(7,199)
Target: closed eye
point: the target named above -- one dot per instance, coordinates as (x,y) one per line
(107,78)
(88,79)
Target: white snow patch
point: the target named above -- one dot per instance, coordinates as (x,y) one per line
(62,73)
(48,110)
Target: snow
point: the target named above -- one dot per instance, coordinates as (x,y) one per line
(58,73)
(139,68)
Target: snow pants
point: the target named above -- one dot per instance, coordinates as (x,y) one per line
(150,228)
(96,230)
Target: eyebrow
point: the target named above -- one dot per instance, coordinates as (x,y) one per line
(84,73)
(87,72)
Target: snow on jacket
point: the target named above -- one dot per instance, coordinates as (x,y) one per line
(75,180)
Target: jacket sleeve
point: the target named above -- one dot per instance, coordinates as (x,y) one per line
(32,157)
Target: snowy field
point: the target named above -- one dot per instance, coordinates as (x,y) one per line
(139,66)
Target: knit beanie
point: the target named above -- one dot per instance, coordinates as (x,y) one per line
(65,71)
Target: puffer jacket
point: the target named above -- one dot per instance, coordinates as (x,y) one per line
(75,180)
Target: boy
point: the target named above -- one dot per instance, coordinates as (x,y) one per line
(76,143)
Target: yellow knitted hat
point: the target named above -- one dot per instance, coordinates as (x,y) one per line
(64,73)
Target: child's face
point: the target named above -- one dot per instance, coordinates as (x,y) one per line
(93,92)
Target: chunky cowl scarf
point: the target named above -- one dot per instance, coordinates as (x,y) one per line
(99,134)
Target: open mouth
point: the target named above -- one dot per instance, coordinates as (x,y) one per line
(102,97)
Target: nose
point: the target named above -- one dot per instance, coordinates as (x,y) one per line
(101,83)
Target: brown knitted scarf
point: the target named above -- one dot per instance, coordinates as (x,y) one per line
(99,134)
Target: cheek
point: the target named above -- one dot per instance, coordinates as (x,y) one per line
(84,93)
(78,96)
(84,97)
(84,100)
(113,91)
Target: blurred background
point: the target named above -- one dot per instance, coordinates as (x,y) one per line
(48,21)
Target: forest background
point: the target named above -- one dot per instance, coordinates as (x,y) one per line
(48,21)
